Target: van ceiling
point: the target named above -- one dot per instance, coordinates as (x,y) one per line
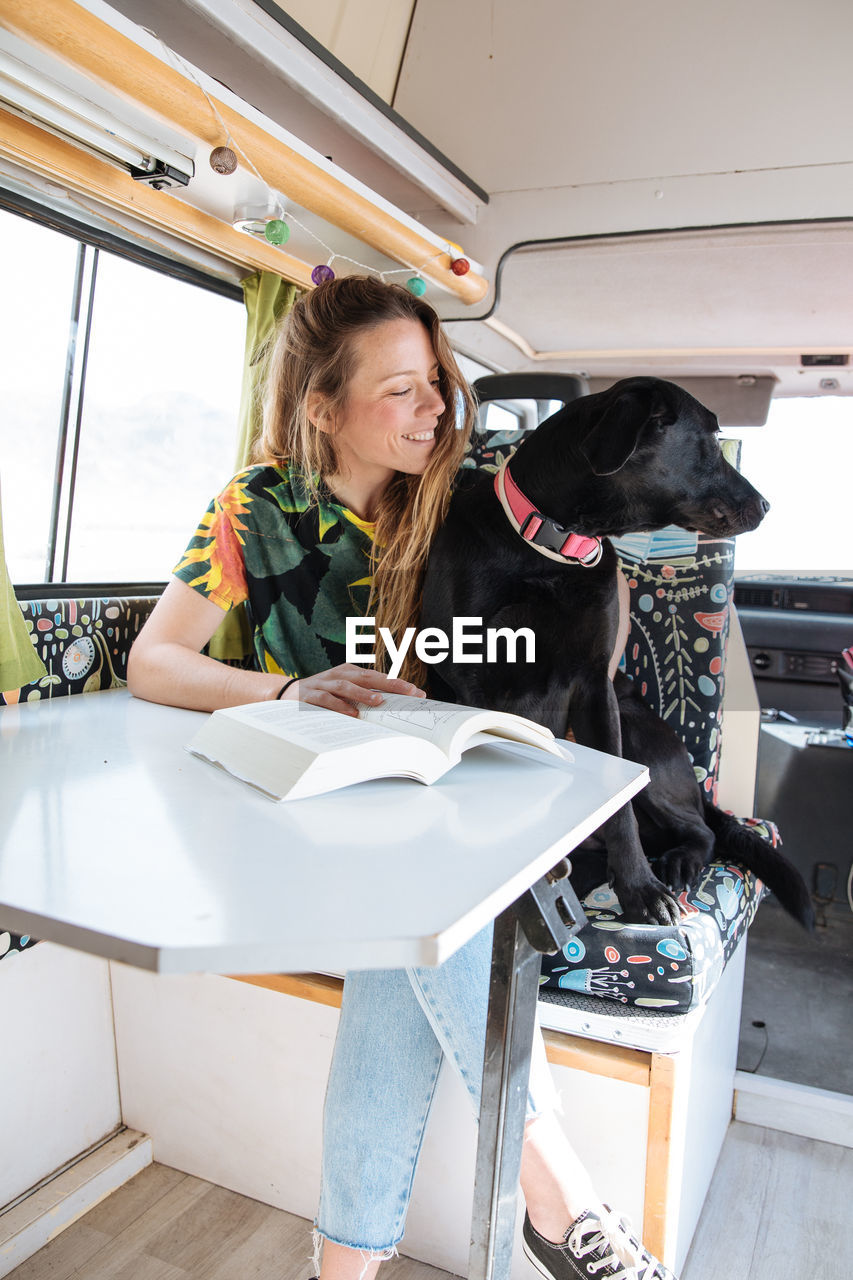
(747,301)
(590,119)
(586,120)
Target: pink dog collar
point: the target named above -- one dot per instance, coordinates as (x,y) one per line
(541,532)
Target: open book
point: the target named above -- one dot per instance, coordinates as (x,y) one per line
(289,750)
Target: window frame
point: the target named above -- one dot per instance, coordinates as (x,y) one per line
(88,239)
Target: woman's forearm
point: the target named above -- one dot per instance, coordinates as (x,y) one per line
(166,663)
(171,673)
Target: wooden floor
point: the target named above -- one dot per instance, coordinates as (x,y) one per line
(166,1225)
(778,1206)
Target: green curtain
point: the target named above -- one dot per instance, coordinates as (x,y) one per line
(267,299)
(19,662)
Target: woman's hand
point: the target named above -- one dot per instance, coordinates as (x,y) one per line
(343,688)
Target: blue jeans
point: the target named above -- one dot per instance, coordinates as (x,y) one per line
(396,1028)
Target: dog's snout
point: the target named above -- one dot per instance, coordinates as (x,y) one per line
(754,511)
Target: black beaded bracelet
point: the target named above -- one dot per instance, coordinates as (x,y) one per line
(286,685)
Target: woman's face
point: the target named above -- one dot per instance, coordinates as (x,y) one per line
(393,404)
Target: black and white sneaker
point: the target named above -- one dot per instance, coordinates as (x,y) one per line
(595,1247)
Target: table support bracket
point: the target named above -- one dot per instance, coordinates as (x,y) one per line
(541,920)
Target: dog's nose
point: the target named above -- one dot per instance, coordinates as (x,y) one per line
(755,511)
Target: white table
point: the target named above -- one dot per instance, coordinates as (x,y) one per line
(117,842)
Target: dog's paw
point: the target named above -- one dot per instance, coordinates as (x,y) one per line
(648,903)
(679,868)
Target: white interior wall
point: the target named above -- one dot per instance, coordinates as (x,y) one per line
(58,1078)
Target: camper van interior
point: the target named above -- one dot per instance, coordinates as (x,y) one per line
(584,192)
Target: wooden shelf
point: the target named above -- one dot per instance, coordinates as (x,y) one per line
(112,59)
(82,172)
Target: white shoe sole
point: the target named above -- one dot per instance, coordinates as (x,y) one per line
(537,1262)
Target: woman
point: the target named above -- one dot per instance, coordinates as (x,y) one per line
(361,442)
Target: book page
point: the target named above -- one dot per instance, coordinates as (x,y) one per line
(449,724)
(419,717)
(314,728)
(556,751)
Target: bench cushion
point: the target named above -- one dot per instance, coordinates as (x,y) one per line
(671,968)
(12,944)
(82,642)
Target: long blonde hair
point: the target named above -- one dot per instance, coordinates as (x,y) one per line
(313,353)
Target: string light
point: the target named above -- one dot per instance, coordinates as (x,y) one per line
(224,160)
(459,264)
(277,231)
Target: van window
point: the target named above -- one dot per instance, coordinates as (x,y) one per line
(497,418)
(150,372)
(38,282)
(800,461)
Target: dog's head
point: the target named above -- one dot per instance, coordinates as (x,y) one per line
(660,450)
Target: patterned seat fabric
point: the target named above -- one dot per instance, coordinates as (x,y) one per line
(12,944)
(676,649)
(671,969)
(83,643)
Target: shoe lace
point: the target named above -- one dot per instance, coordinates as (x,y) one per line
(611,1236)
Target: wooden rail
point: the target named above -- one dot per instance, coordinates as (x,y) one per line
(106,55)
(96,179)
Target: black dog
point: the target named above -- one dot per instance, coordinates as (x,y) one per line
(642,455)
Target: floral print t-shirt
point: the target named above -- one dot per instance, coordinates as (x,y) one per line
(300,568)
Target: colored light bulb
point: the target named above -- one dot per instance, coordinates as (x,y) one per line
(223,160)
(277,231)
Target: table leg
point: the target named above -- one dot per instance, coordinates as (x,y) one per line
(542,919)
(506,1069)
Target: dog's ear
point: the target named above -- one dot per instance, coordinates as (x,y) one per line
(615,433)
